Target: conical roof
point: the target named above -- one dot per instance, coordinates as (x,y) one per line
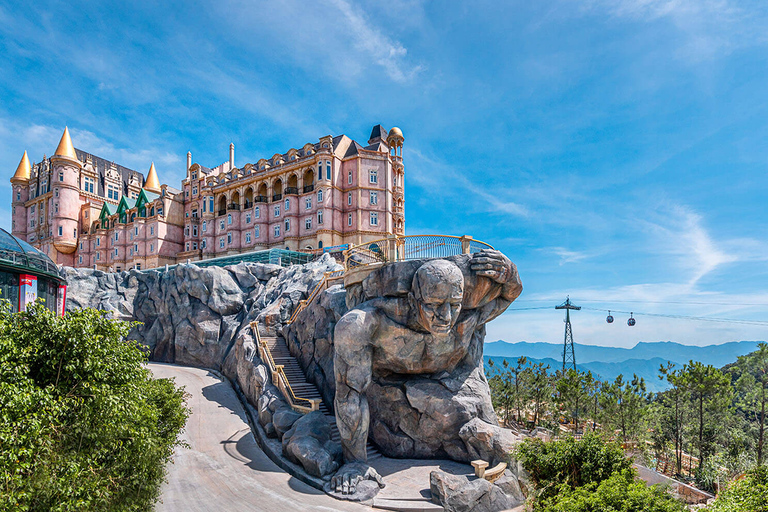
(23,170)
(66,149)
(152,184)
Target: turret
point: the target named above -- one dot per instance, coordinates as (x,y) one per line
(20,191)
(66,180)
(231,156)
(152,184)
(189,160)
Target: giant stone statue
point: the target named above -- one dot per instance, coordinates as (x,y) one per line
(408,360)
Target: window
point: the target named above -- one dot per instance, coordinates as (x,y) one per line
(349,198)
(159,210)
(98,242)
(247,218)
(88,184)
(117,235)
(98,256)
(373,176)
(186,214)
(81,246)
(203,244)
(194,246)
(194,191)
(151,230)
(136,248)
(151,247)
(320,244)
(374,197)
(136,230)
(327,170)
(277,210)
(194,230)
(277,230)
(308,203)
(194,175)
(60,231)
(256,212)
(80,259)
(56,192)
(256,232)
(32,209)
(186,231)
(210,204)
(374,219)
(194,214)
(349,177)
(320,196)
(18,195)
(61,176)
(115,252)
(205,226)
(138,266)
(349,219)
(187,246)
(229,238)
(287,204)
(131,237)
(320,217)
(204,205)
(229,219)
(287,225)
(55,208)
(248,237)
(186,192)
(221,243)
(221,225)
(308,223)
(86,214)
(320,169)
(112,192)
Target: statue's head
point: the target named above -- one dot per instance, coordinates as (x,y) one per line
(437,292)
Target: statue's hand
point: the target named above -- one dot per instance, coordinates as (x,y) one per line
(352,473)
(492,264)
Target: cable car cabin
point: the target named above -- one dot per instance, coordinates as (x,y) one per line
(631,320)
(609,318)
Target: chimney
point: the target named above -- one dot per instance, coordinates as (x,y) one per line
(231,156)
(189,159)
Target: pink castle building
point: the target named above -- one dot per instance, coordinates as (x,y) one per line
(84,211)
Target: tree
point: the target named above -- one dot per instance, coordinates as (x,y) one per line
(749,494)
(540,389)
(572,393)
(83,425)
(711,394)
(625,404)
(675,401)
(753,390)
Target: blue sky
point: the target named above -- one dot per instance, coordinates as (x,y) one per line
(616,150)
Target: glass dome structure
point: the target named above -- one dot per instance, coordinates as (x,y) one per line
(27,274)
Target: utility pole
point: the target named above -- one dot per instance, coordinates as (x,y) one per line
(569,356)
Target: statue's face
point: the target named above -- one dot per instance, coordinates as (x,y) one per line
(438,291)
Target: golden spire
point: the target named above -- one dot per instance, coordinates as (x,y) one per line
(66,149)
(22,171)
(152,184)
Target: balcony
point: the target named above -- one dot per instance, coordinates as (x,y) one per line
(247,204)
(309,188)
(277,197)
(233,206)
(260,199)
(291,191)
(223,212)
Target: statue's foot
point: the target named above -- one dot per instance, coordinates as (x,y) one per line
(347,479)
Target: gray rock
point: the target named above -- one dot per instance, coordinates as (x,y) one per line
(283,420)
(488,442)
(457,493)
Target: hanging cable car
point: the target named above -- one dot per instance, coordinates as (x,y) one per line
(609,318)
(631,320)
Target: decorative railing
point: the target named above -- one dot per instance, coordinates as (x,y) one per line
(261,199)
(277,197)
(233,206)
(291,191)
(322,285)
(280,379)
(414,247)
(309,188)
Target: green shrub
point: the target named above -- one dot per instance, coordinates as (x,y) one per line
(83,426)
(618,493)
(749,494)
(570,463)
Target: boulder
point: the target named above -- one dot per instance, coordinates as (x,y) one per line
(488,442)
(308,443)
(458,493)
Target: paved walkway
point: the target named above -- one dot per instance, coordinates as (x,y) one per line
(224,470)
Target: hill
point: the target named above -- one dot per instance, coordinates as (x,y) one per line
(717,355)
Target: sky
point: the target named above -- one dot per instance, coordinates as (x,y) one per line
(615,150)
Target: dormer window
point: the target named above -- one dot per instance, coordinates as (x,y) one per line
(194,175)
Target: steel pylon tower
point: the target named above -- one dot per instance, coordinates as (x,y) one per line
(569,356)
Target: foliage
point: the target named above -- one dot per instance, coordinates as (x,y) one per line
(620,493)
(752,387)
(749,494)
(83,426)
(573,393)
(570,463)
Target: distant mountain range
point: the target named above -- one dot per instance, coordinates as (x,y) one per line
(607,363)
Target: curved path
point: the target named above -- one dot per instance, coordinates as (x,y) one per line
(224,470)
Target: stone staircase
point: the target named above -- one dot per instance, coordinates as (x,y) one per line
(302,388)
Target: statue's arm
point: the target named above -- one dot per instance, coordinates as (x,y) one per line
(493,280)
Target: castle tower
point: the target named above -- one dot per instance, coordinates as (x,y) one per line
(395,141)
(20,191)
(152,184)
(65,181)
